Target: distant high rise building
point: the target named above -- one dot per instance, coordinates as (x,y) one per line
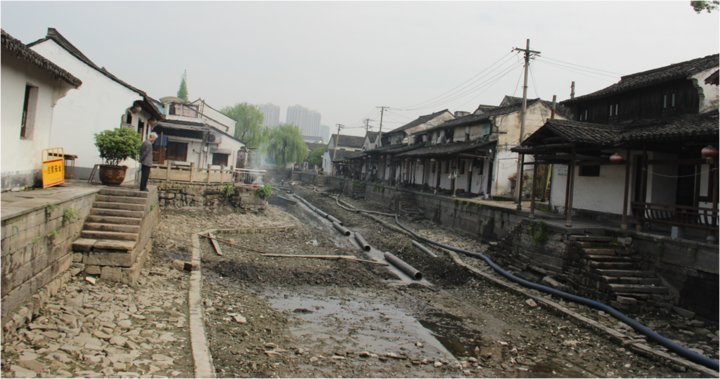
(306,119)
(325,132)
(271,113)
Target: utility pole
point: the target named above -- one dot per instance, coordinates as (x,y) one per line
(518,177)
(337,138)
(367,128)
(382,110)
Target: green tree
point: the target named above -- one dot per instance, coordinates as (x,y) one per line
(183,92)
(248,128)
(316,157)
(286,145)
(708,6)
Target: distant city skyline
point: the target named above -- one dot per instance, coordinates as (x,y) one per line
(271,113)
(308,120)
(325,132)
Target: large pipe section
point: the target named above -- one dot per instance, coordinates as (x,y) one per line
(365,246)
(321,213)
(423,249)
(333,219)
(341,228)
(406,268)
(690,355)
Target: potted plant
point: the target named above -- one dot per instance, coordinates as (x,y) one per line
(115,146)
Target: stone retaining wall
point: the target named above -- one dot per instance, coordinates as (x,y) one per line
(36,252)
(176,195)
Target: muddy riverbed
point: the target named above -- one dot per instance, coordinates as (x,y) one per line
(307,317)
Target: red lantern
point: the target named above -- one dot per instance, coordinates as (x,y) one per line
(711,152)
(419,161)
(617,158)
(407,160)
(433,160)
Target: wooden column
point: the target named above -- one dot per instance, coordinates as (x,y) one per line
(192,172)
(698,174)
(567,188)
(714,177)
(422,177)
(437,176)
(469,180)
(455,175)
(167,174)
(519,181)
(643,183)
(532,192)
(571,178)
(624,225)
(208,170)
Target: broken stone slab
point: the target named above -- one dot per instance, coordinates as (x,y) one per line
(685,313)
(626,300)
(20,372)
(531,303)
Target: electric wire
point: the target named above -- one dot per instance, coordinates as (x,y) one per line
(573,64)
(573,71)
(488,87)
(457,88)
(532,75)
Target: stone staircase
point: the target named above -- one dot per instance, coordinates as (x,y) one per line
(408,207)
(618,272)
(114,238)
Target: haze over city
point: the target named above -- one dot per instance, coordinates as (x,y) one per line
(345,59)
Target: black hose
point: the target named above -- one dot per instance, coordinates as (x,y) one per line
(690,355)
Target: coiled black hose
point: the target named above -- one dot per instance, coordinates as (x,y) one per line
(640,328)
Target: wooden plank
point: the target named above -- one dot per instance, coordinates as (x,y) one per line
(215,244)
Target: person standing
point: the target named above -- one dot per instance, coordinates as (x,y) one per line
(146,150)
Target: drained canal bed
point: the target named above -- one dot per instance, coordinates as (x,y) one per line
(304,317)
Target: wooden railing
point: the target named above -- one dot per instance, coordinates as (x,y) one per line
(676,215)
(172,172)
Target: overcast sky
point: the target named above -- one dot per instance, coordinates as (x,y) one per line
(344,59)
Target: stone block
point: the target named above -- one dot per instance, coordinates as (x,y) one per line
(93,270)
(117,259)
(626,300)
(685,313)
(113,274)
(77,257)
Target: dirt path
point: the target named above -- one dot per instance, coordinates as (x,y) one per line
(295,317)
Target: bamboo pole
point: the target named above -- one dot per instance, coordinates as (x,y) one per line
(231,244)
(346,257)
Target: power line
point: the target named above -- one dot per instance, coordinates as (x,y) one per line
(573,64)
(573,71)
(532,75)
(456,87)
(578,69)
(488,87)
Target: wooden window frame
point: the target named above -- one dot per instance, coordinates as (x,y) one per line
(27,125)
(171,149)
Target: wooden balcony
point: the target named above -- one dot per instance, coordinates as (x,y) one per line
(676,215)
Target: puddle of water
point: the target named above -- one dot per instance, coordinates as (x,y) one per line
(356,320)
(456,339)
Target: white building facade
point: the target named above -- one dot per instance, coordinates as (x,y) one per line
(271,114)
(30,90)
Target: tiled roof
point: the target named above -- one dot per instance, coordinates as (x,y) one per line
(680,127)
(652,77)
(191,125)
(445,149)
(372,136)
(713,78)
(55,36)
(343,154)
(348,141)
(484,108)
(312,146)
(479,118)
(392,149)
(16,47)
(418,121)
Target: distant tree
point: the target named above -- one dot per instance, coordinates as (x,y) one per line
(708,6)
(183,92)
(248,128)
(316,157)
(286,145)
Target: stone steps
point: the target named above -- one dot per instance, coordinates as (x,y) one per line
(591,238)
(112,227)
(113,220)
(613,265)
(105,235)
(630,289)
(613,258)
(632,280)
(123,193)
(116,213)
(597,251)
(626,273)
(121,199)
(122,206)
(89,244)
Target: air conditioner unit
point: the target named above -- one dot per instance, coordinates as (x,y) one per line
(214,138)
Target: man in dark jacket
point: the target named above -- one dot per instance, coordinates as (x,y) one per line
(146,150)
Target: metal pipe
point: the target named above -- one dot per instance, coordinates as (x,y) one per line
(333,219)
(423,249)
(362,242)
(640,328)
(341,228)
(321,213)
(406,268)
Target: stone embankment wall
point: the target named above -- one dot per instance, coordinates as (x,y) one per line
(310,177)
(687,268)
(176,195)
(36,255)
